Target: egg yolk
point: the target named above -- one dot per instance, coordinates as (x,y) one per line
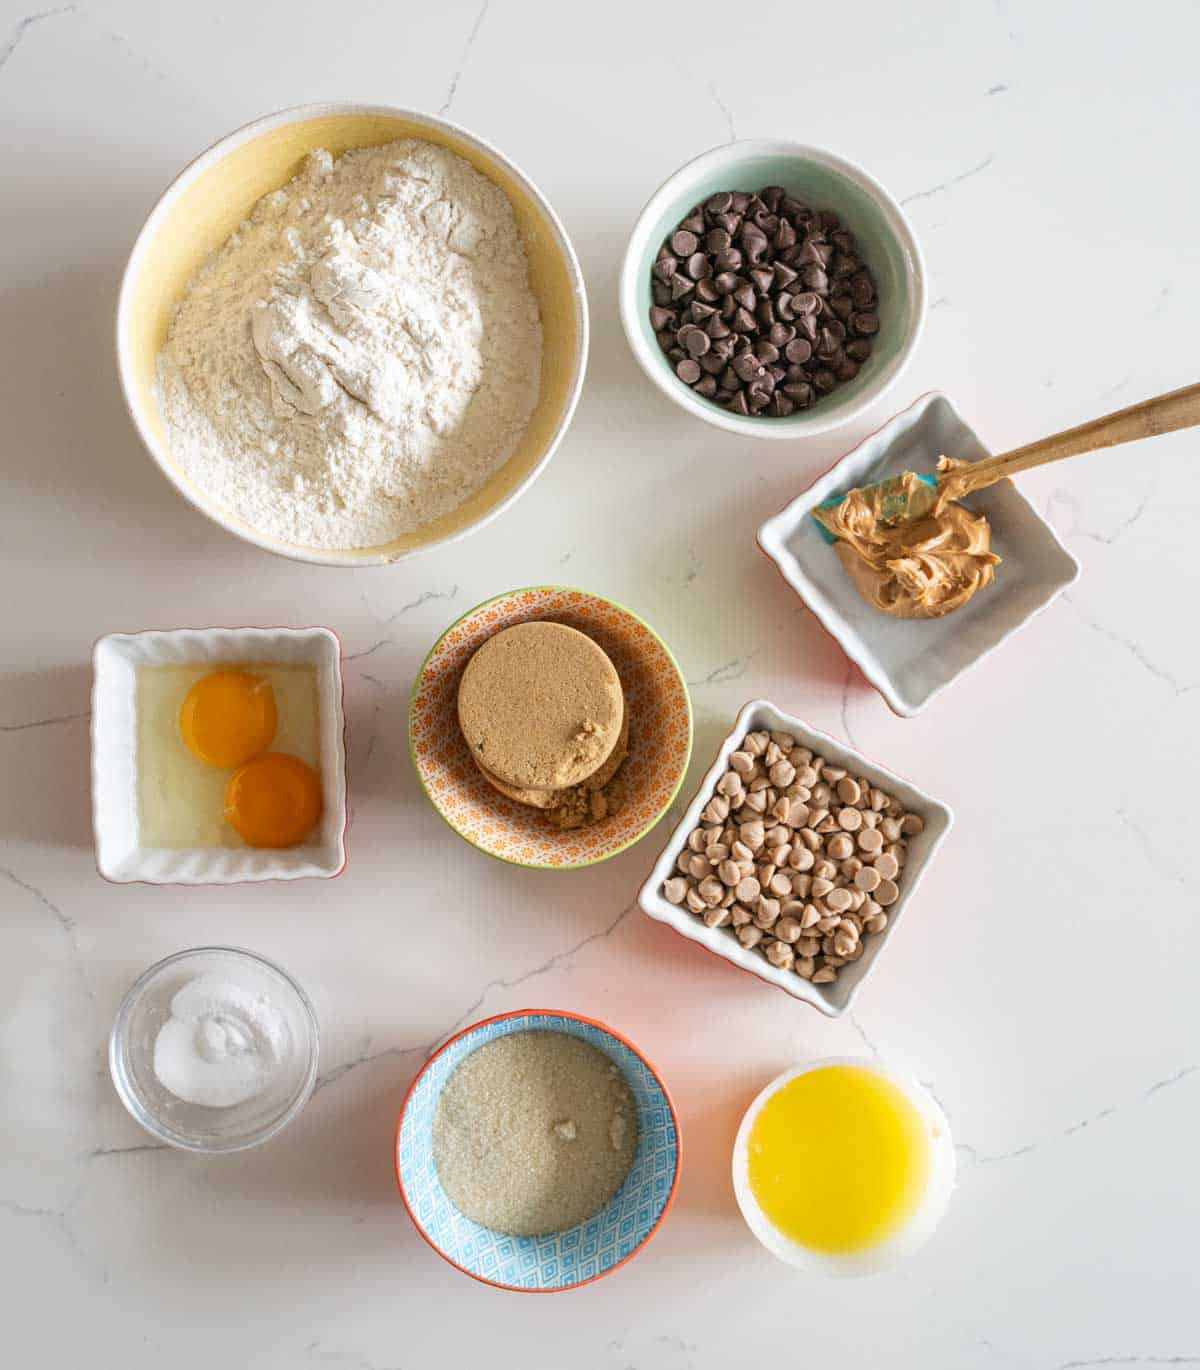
(273,801)
(228,717)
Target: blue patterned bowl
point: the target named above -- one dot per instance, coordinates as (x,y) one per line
(563,1260)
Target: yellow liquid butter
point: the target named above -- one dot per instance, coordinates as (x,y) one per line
(839,1158)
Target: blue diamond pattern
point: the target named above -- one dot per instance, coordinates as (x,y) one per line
(565,1258)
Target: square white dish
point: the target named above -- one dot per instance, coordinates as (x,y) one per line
(834,999)
(911,662)
(115,660)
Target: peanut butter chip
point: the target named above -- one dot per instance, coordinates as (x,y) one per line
(886,892)
(887,865)
(867,879)
(850,819)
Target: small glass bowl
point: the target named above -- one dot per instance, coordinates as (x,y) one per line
(198,1127)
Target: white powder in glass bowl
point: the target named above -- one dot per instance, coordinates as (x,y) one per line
(362,353)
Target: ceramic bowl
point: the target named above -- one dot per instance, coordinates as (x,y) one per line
(120,856)
(561,1260)
(836,998)
(917,1228)
(660,739)
(196,1127)
(908,662)
(825,181)
(212,196)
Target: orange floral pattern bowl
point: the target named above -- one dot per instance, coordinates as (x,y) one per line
(660,732)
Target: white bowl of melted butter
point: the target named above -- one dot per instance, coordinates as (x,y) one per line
(160,815)
(843,1166)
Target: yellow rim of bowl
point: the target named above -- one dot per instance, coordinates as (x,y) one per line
(547,865)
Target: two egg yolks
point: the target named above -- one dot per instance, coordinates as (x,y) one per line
(228,720)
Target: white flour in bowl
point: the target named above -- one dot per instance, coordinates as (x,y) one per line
(362,353)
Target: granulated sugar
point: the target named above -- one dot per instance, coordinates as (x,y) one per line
(534,1132)
(362,353)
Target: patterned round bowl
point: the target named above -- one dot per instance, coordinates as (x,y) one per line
(660,734)
(561,1260)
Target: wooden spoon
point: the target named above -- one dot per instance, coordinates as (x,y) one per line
(900,500)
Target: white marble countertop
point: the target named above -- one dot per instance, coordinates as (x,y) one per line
(1044,979)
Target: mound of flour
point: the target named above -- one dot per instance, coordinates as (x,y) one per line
(362,353)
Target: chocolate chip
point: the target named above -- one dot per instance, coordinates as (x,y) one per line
(763,278)
(865,323)
(738,404)
(688,371)
(665,339)
(717,240)
(698,266)
(824,380)
(718,203)
(717,328)
(707,291)
(726,282)
(706,386)
(781,333)
(698,342)
(745,296)
(712,363)
(683,242)
(694,223)
(660,317)
(841,305)
(862,290)
(785,236)
(784,275)
(814,278)
(828,347)
(702,312)
(660,294)
(798,351)
(729,222)
(741,202)
(729,260)
(745,322)
(665,268)
(781,406)
(747,367)
(681,286)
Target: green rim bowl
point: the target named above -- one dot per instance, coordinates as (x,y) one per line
(660,732)
(886,243)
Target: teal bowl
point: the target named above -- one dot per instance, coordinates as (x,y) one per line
(885,240)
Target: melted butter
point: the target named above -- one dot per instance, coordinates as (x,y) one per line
(839,1158)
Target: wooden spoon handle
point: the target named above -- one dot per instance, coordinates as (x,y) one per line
(1162,414)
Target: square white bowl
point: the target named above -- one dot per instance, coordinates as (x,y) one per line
(834,999)
(910,662)
(119,855)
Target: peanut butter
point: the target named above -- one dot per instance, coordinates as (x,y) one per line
(922,568)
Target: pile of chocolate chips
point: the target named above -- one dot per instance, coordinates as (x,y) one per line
(761,303)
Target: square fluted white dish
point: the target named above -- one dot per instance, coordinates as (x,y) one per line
(119,854)
(833,999)
(911,662)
